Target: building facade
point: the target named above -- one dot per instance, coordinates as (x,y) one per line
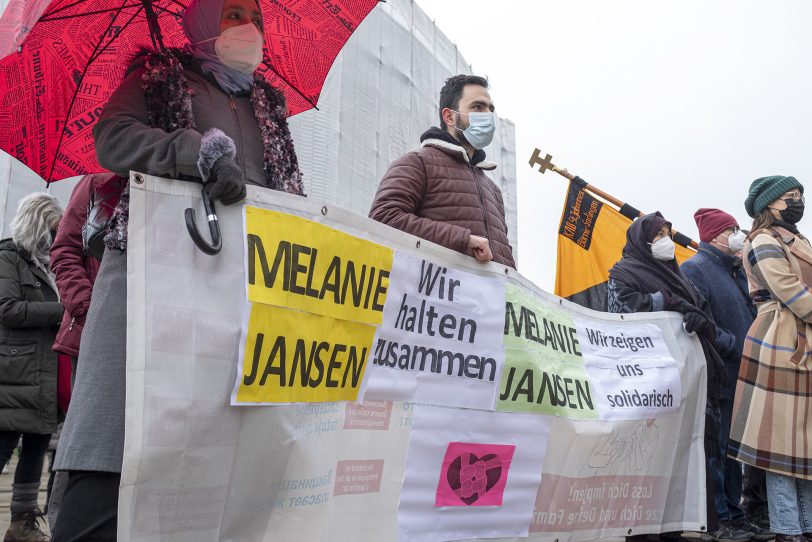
(381,94)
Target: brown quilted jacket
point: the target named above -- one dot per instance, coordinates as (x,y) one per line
(438,194)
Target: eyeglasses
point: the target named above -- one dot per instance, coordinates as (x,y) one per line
(796,196)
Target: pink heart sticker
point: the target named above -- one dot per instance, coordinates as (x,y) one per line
(474,474)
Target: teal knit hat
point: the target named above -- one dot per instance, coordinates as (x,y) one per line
(766,190)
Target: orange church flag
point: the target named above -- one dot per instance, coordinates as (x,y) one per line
(591,237)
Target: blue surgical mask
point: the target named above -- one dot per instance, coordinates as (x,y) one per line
(481,127)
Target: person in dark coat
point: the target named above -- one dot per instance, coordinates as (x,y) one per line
(200,114)
(648,278)
(717,274)
(29,315)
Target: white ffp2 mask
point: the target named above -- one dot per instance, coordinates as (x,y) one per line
(735,241)
(240,48)
(663,249)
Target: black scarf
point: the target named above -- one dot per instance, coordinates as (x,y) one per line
(793,228)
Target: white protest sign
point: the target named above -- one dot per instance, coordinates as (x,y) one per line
(441,327)
(633,374)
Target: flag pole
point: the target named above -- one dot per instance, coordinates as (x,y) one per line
(624,208)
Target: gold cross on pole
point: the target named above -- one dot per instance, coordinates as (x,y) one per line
(545,164)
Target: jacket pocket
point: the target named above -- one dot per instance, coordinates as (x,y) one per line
(32,287)
(803,256)
(18,364)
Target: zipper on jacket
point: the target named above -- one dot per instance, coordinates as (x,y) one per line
(482,202)
(72,321)
(240,152)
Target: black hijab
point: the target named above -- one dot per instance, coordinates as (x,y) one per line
(639,269)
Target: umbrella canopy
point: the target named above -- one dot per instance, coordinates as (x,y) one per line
(61,60)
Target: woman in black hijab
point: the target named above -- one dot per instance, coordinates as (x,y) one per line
(646,279)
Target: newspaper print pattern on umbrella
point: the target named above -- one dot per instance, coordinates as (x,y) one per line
(60,62)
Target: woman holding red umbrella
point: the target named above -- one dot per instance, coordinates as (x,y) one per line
(198,113)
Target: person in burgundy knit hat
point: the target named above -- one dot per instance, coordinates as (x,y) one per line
(712,222)
(717,274)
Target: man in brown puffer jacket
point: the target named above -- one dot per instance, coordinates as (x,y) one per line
(440,192)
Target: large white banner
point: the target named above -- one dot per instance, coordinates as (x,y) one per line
(328,378)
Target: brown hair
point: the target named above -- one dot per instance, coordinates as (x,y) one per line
(451,92)
(761,221)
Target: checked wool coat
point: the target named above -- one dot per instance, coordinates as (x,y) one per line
(772,412)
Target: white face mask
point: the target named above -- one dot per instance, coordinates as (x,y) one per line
(735,241)
(481,127)
(240,48)
(663,249)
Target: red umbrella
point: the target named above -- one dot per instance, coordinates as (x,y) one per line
(62,60)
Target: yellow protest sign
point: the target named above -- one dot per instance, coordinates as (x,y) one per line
(295,357)
(300,264)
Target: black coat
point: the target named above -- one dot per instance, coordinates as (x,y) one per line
(29,318)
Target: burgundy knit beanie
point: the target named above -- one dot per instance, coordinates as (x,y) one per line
(712,222)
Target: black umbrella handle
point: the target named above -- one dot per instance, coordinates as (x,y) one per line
(153,25)
(214,227)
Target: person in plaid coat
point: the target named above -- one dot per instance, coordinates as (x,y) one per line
(772,411)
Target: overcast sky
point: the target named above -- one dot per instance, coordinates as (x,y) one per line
(670,106)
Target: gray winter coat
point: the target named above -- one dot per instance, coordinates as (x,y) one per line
(125,141)
(93,435)
(29,318)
